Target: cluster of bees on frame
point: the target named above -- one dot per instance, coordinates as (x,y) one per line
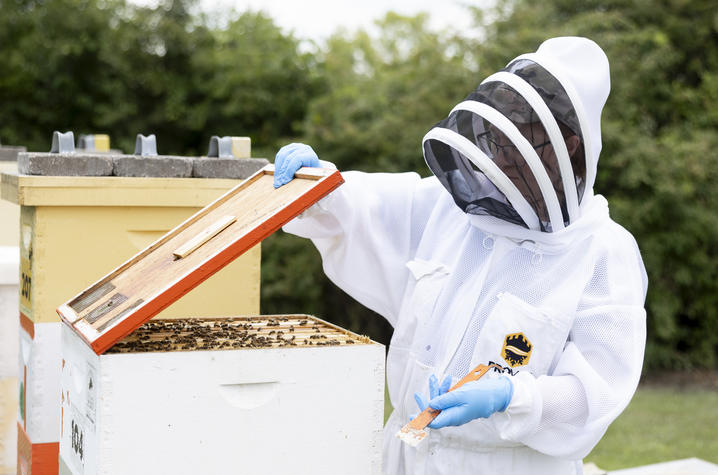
(231,333)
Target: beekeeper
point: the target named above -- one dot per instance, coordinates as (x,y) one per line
(505,256)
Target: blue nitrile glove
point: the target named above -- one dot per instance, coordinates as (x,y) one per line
(435,390)
(473,400)
(291,158)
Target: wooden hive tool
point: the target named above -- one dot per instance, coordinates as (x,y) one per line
(415,431)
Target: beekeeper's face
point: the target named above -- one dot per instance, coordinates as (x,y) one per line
(516,168)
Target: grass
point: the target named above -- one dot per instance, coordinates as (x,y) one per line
(661,423)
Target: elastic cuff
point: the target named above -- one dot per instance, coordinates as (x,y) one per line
(319,208)
(522,416)
(325,164)
(325,203)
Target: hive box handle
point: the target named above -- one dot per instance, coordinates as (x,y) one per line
(249,395)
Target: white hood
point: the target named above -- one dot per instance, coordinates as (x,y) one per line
(582,68)
(523,147)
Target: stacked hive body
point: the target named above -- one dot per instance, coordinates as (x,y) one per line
(74,228)
(9,278)
(8,358)
(9,212)
(260,395)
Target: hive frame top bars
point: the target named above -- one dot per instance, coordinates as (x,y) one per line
(139,289)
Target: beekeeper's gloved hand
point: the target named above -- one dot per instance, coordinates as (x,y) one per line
(291,158)
(435,390)
(473,400)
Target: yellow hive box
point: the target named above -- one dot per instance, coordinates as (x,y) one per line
(72,229)
(9,212)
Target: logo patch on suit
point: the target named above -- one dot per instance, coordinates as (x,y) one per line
(516,350)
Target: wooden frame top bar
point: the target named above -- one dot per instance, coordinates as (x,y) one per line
(156,277)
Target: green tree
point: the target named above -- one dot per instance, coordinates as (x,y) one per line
(55,71)
(658,167)
(382,95)
(107,66)
(385,93)
(259,83)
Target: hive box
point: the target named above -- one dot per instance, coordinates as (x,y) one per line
(288,394)
(9,322)
(71,230)
(279,406)
(9,212)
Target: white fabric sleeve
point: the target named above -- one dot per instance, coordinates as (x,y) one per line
(565,414)
(363,231)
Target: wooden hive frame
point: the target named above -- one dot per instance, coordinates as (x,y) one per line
(156,277)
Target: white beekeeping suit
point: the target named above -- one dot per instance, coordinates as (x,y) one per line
(505,256)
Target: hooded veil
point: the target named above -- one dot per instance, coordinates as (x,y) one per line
(523,147)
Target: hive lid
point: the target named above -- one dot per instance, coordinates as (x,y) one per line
(156,277)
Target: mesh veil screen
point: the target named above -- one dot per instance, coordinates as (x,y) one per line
(472,190)
(558,102)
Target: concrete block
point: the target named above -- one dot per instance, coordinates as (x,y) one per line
(157,166)
(215,167)
(64,164)
(9,154)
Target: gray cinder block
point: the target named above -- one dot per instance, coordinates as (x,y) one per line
(9,154)
(164,166)
(64,164)
(237,168)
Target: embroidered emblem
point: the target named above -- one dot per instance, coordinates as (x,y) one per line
(516,350)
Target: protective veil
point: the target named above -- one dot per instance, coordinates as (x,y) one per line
(518,264)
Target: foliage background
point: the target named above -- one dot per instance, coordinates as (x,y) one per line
(364,102)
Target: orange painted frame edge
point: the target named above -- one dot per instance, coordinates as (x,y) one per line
(171,294)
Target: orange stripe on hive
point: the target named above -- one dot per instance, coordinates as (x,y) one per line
(27,325)
(24,452)
(41,459)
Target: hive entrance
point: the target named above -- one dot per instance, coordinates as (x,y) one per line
(196,334)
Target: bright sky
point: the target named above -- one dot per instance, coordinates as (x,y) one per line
(317,19)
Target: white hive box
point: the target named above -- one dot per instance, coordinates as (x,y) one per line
(256,395)
(274,409)
(9,323)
